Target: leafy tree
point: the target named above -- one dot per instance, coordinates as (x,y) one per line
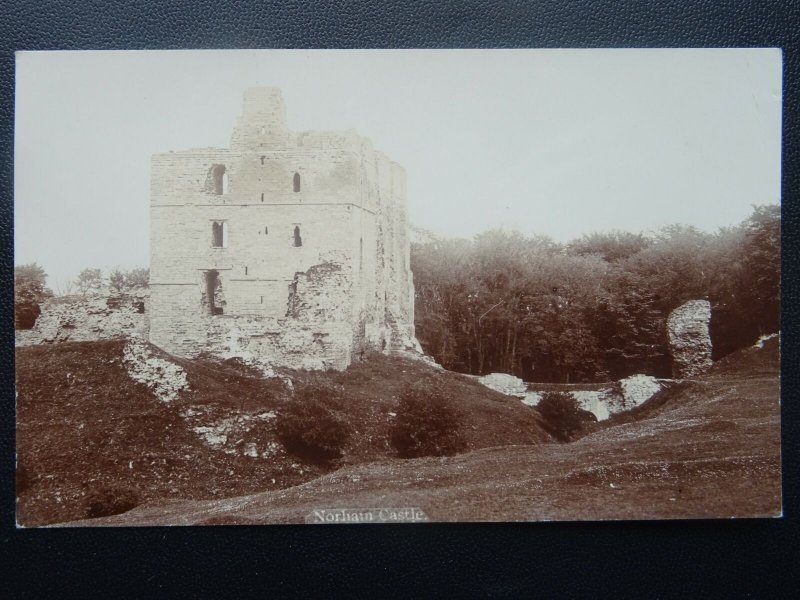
(762,266)
(89,280)
(116,281)
(29,293)
(612,246)
(630,329)
(124,281)
(675,267)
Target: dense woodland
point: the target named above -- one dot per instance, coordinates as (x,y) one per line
(594,309)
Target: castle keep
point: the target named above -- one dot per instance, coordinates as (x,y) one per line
(291,246)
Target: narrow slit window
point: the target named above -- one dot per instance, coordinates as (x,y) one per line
(266,230)
(219,180)
(262,160)
(296,182)
(245,270)
(262,196)
(298,241)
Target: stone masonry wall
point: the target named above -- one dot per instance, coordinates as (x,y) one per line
(689,338)
(95,316)
(294,243)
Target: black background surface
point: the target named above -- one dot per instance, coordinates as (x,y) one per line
(757,558)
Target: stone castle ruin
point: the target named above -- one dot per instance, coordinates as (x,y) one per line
(289,245)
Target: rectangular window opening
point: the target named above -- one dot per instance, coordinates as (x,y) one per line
(219,234)
(213,297)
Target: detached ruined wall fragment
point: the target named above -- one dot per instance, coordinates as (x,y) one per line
(689,339)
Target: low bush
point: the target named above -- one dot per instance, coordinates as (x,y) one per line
(427,423)
(311,427)
(108,500)
(563,417)
(25,314)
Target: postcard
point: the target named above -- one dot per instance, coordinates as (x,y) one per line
(397,286)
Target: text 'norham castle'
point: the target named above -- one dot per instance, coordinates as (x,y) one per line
(291,246)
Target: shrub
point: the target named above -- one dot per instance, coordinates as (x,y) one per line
(563,416)
(25,314)
(427,423)
(108,500)
(310,427)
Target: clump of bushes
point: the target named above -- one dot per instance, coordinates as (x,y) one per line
(311,426)
(427,423)
(563,417)
(108,500)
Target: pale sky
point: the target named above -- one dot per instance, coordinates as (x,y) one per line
(555,142)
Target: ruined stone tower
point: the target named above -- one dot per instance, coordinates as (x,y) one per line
(292,246)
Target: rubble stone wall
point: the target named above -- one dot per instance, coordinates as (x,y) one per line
(96,316)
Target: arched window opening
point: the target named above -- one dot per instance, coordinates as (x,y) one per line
(219,234)
(298,241)
(297,182)
(219,180)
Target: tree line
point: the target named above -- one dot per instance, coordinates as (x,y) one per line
(595,308)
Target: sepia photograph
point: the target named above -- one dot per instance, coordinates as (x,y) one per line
(259,287)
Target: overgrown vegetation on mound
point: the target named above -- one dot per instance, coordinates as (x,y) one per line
(427,423)
(83,423)
(563,416)
(314,426)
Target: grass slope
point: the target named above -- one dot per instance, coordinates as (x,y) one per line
(709,449)
(83,424)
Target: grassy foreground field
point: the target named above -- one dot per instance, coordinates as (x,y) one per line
(708,448)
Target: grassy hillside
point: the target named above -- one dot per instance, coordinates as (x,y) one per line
(710,448)
(83,425)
